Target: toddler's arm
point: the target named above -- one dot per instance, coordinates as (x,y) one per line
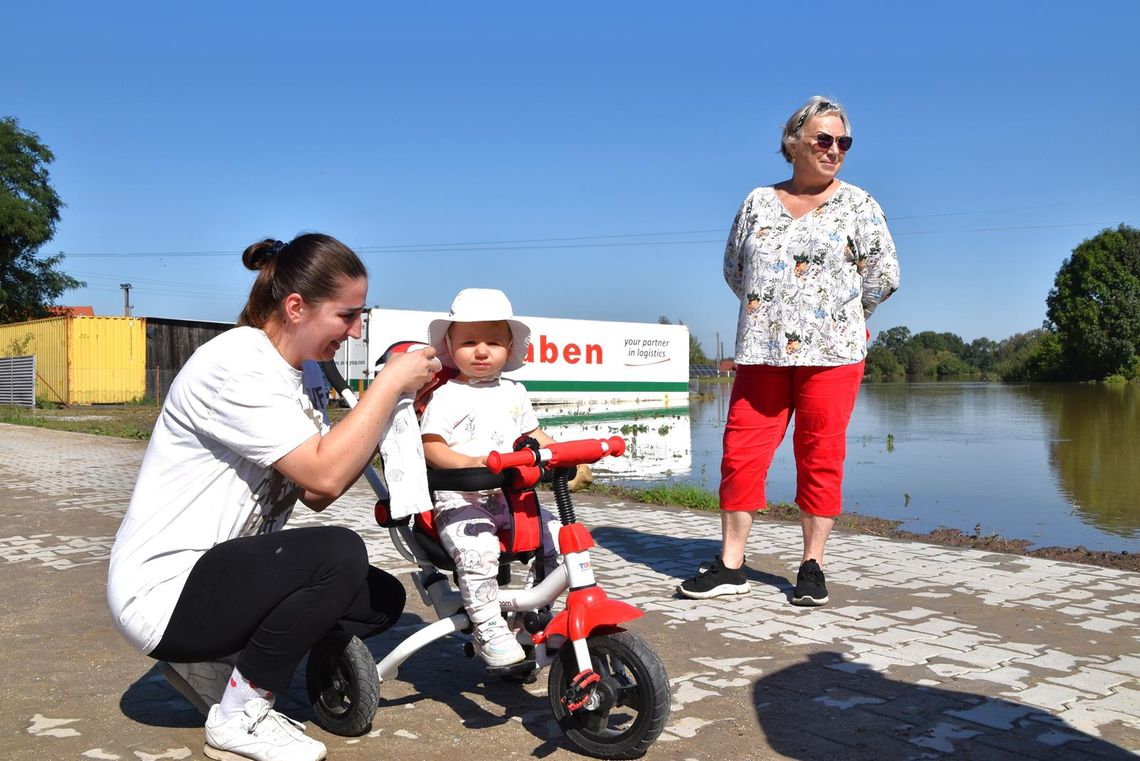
(540,436)
(439,455)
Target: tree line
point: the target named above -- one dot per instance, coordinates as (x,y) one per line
(1091,330)
(898,353)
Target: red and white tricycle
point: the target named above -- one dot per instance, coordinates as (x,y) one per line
(607,687)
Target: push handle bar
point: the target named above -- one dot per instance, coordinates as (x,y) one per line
(336,380)
(558,455)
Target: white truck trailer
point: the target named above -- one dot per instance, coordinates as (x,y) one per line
(573,366)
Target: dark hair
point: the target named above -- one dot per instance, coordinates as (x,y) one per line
(311,265)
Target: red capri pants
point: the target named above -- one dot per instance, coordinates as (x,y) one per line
(764,398)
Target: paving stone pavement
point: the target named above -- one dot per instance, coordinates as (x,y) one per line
(925,652)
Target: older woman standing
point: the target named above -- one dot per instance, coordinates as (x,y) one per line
(809,258)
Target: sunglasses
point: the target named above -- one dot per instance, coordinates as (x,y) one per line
(825,141)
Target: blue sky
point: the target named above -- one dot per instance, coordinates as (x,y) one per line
(588,161)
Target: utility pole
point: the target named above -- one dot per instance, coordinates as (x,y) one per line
(126,299)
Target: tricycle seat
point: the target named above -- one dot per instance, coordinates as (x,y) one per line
(520,542)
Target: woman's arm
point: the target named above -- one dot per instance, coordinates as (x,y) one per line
(881,264)
(733,265)
(325,466)
(317,502)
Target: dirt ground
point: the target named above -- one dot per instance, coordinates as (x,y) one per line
(1124,561)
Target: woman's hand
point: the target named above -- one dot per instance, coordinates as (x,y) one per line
(411,370)
(325,466)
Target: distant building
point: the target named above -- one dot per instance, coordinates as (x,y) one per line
(169,343)
(84,359)
(62,311)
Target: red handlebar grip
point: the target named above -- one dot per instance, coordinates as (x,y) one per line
(562,454)
(567,453)
(497,462)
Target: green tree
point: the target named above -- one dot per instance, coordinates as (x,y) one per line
(1094,306)
(892,339)
(915,359)
(947,364)
(982,354)
(881,364)
(29,211)
(1032,356)
(696,353)
(936,342)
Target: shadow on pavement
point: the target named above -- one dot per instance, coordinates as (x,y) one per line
(151,700)
(443,675)
(675,556)
(440,674)
(832,707)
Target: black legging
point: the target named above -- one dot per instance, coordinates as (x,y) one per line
(274,596)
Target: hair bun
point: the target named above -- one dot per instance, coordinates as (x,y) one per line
(259,254)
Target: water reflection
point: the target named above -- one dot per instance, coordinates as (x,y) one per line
(659,443)
(1054,464)
(1094,451)
(1045,462)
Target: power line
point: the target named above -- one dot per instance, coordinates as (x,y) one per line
(526,245)
(599,241)
(429,247)
(997,229)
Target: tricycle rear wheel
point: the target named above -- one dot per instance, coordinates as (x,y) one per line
(343,686)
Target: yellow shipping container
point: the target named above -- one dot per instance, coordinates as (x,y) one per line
(83,360)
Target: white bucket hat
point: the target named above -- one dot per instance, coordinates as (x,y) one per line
(481,305)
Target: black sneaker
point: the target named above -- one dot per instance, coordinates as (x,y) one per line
(810,589)
(715,581)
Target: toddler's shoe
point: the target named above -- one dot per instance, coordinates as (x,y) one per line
(496,644)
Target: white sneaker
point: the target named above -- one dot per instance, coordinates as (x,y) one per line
(496,644)
(259,733)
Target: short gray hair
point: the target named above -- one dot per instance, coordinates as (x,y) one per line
(816,105)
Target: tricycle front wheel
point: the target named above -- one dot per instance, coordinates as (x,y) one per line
(631,701)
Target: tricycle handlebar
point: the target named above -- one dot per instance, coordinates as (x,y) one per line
(558,455)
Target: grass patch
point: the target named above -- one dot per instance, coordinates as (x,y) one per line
(685,495)
(17,415)
(123,422)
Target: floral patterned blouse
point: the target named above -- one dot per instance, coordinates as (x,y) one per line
(807,286)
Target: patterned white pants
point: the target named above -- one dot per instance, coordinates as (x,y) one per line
(469,533)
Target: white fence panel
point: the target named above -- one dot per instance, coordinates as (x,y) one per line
(18,381)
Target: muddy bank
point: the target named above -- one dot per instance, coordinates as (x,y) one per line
(1124,561)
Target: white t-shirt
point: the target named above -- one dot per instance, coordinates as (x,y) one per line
(234,409)
(476,420)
